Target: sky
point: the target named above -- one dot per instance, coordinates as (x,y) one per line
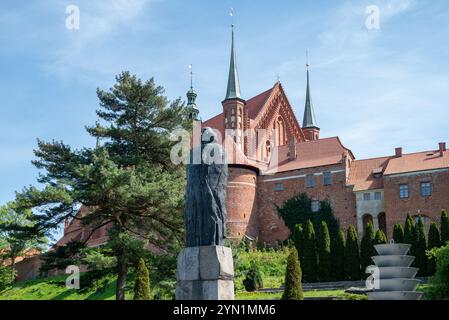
(376,89)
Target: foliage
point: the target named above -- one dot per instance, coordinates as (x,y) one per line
(298,240)
(324,254)
(408,230)
(62,256)
(142,282)
(128,180)
(338,257)
(293,278)
(310,262)
(380,238)
(439,283)
(352,257)
(366,248)
(398,233)
(434,242)
(298,210)
(253,280)
(7,276)
(420,247)
(444,225)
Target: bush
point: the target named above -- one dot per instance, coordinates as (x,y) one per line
(142,284)
(310,262)
(298,240)
(366,248)
(253,280)
(338,257)
(408,230)
(7,276)
(434,242)
(380,238)
(293,278)
(324,253)
(439,283)
(444,227)
(352,258)
(398,233)
(420,248)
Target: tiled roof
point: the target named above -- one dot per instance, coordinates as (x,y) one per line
(315,153)
(421,161)
(361,173)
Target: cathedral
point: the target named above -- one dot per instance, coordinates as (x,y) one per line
(273,158)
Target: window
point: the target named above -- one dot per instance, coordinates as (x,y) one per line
(316,205)
(377,195)
(279,187)
(310,181)
(233,111)
(425,189)
(403,191)
(327,178)
(367,196)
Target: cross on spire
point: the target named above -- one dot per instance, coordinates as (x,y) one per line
(233,90)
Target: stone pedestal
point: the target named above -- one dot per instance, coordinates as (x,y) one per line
(205,273)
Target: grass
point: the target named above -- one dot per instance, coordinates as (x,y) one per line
(335,294)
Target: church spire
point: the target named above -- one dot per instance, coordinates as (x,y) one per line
(191,98)
(309,125)
(233,90)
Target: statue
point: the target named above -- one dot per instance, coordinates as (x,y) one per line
(205,208)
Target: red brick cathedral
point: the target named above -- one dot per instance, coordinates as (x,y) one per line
(379,190)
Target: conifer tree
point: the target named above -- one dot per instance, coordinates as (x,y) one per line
(298,240)
(434,242)
(310,253)
(380,238)
(293,278)
(366,248)
(338,257)
(352,257)
(444,225)
(420,248)
(398,233)
(324,254)
(409,233)
(142,284)
(253,280)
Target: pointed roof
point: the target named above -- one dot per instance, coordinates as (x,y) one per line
(233,90)
(309,120)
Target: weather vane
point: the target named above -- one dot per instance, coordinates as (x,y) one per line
(232,16)
(307,59)
(191,76)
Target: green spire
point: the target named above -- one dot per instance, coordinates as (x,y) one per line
(191,98)
(233,90)
(309,120)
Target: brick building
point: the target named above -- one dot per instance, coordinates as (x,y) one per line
(272,158)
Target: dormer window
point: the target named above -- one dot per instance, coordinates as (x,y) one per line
(377,173)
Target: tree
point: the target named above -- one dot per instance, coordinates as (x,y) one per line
(398,233)
(380,238)
(7,276)
(366,248)
(352,258)
(310,254)
(298,240)
(444,225)
(434,242)
(439,283)
(60,257)
(293,277)
(409,232)
(420,248)
(253,280)
(324,254)
(142,284)
(338,256)
(128,180)
(16,241)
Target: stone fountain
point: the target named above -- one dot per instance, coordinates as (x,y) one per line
(396,279)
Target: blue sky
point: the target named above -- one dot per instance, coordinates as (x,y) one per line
(376,89)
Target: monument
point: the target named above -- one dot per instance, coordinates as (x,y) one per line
(205,267)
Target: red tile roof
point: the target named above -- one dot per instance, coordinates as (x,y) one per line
(361,173)
(420,161)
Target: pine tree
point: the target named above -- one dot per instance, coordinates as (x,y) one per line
(338,257)
(142,284)
(293,278)
(366,248)
(310,260)
(380,238)
(420,248)
(409,233)
(352,257)
(298,240)
(324,254)
(434,242)
(398,233)
(444,225)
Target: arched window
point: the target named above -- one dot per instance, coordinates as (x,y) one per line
(367,218)
(382,219)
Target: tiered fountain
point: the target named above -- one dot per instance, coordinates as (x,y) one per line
(396,277)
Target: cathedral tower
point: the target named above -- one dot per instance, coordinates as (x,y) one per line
(309,125)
